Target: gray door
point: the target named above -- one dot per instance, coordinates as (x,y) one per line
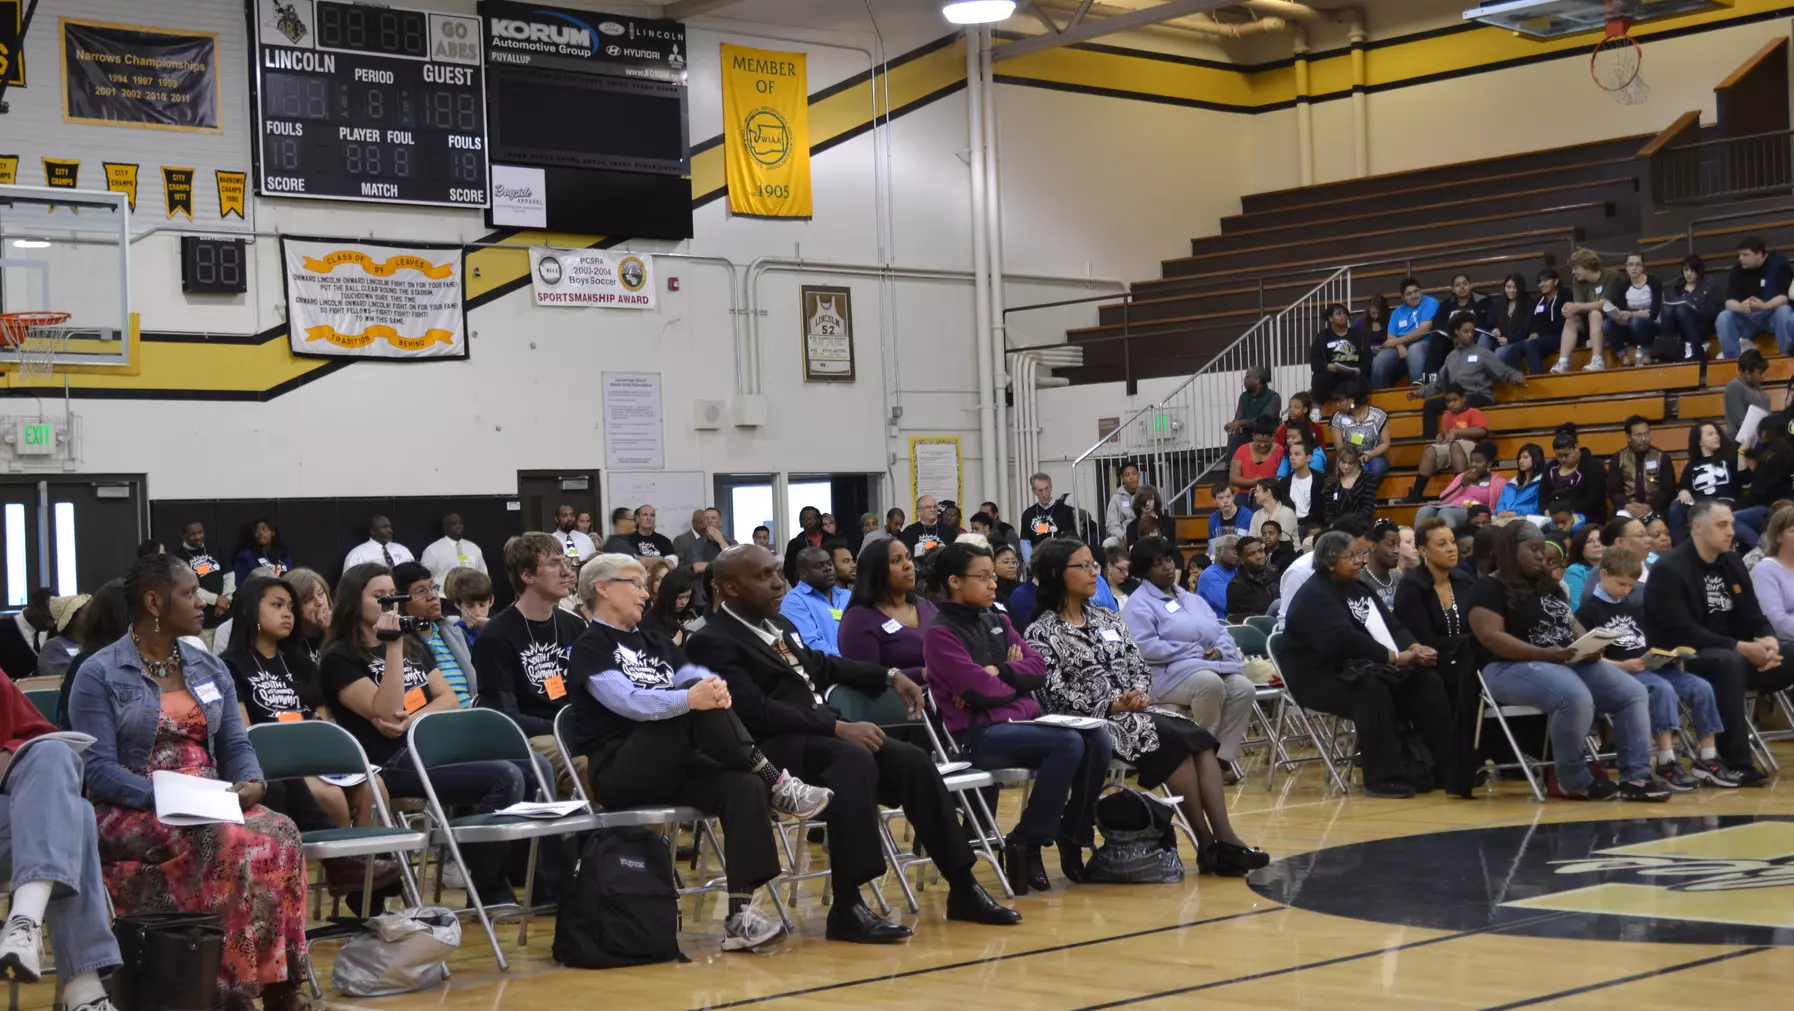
(71,532)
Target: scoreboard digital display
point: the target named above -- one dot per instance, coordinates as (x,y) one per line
(361,102)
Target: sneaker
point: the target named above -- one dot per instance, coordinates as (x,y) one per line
(101,1004)
(1595,365)
(1747,776)
(1687,351)
(1562,367)
(1649,791)
(1600,789)
(1679,779)
(749,929)
(451,875)
(797,799)
(1713,773)
(22,950)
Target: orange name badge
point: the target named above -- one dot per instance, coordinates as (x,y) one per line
(556,687)
(415,700)
(202,569)
(1042,526)
(289,717)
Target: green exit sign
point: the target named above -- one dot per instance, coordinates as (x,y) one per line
(35,438)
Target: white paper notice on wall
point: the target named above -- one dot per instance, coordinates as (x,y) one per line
(586,278)
(632,421)
(519,197)
(935,469)
(370,299)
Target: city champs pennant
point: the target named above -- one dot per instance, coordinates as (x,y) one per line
(232,187)
(62,174)
(766,132)
(177,191)
(121,177)
(9,170)
(365,298)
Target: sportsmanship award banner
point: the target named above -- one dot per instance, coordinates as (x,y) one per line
(125,75)
(766,132)
(591,277)
(370,299)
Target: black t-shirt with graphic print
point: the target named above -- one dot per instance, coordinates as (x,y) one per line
(267,687)
(1544,621)
(339,669)
(527,661)
(649,659)
(1623,618)
(210,572)
(650,546)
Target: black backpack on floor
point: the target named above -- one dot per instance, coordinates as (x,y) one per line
(622,908)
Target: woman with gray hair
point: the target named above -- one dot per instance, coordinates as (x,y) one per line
(1346,655)
(658,730)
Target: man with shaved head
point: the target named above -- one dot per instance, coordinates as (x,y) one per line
(776,679)
(815,604)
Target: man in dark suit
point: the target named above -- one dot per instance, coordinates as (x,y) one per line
(776,682)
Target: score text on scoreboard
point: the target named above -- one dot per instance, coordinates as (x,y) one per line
(361,102)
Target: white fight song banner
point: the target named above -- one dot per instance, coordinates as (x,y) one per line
(592,277)
(370,299)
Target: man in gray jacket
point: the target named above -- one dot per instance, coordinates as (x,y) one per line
(1121,506)
(1469,365)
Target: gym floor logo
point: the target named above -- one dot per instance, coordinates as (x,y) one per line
(768,139)
(1710,880)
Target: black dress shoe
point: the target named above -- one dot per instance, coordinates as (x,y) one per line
(1071,861)
(1015,864)
(858,924)
(974,905)
(1236,861)
(1037,875)
(1393,789)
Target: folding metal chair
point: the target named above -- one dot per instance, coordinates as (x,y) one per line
(1265,623)
(1333,737)
(45,699)
(1494,710)
(1253,640)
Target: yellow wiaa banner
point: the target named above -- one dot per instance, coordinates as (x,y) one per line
(391,266)
(766,132)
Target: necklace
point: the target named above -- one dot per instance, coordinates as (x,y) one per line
(158,669)
(1381,584)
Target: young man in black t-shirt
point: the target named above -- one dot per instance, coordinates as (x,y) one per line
(216,580)
(645,542)
(522,652)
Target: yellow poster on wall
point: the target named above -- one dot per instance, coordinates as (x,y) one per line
(766,132)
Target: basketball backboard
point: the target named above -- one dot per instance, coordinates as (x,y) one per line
(68,250)
(1549,19)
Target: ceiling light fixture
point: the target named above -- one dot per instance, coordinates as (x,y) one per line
(977,12)
(31,243)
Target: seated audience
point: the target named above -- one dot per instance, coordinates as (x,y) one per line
(1525,625)
(363,645)
(1302,569)
(1622,532)
(1711,472)
(983,676)
(1279,552)
(1773,577)
(1364,428)
(673,612)
(1586,549)
(1338,354)
(1212,587)
(1520,494)
(1150,518)
(1257,459)
(379,548)
(576,542)
(1256,401)
(153,703)
(1510,315)
(1303,436)
(1432,601)
(1345,654)
(1462,429)
(1348,491)
(1252,587)
(1564,521)
(893,528)
(24,633)
(454,551)
(1700,596)
(1121,504)
(1640,477)
(1691,309)
(215,580)
(622,526)
(1372,331)
(762,536)
(1000,532)
(261,550)
(1745,391)
(1410,333)
(1472,369)
(1194,662)
(522,652)
(886,620)
(1268,506)
(1382,563)
(51,847)
(1576,477)
(1463,301)
(930,532)
(65,614)
(645,542)
(1772,476)
(1115,572)
(778,683)
(1300,418)
(1047,517)
(1631,310)
(1668,687)
(1095,669)
(1301,489)
(1756,300)
(1477,487)
(1548,324)
(1229,517)
(657,730)
(447,646)
(1592,287)
(1008,566)
(470,590)
(815,604)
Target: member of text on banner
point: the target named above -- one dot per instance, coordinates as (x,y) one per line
(766,132)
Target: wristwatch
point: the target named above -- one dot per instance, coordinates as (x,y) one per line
(891,676)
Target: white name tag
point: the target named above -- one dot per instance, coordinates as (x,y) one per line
(207,692)
(1597,289)
(999,605)
(1539,310)
(1650,464)
(1109,634)
(892,627)
(1473,358)
(1171,607)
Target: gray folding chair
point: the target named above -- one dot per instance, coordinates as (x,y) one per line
(1333,737)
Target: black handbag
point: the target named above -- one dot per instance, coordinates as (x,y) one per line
(1355,671)
(170,961)
(1139,841)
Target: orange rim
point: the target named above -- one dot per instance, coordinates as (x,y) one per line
(16,326)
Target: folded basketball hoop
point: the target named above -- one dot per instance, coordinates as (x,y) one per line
(35,339)
(1616,63)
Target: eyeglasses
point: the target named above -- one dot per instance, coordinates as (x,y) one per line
(638,584)
(988,577)
(427,593)
(1091,567)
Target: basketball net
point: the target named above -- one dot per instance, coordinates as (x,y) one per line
(1616,63)
(35,338)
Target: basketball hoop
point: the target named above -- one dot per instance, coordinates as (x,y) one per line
(35,339)
(1616,63)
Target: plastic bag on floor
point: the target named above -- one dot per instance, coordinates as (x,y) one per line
(400,952)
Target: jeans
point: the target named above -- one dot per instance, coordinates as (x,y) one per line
(1531,351)
(1746,523)
(484,786)
(1731,677)
(1456,517)
(1070,768)
(1386,366)
(1570,697)
(1691,327)
(1376,467)
(55,839)
(1638,333)
(1734,327)
(1668,685)
(1219,703)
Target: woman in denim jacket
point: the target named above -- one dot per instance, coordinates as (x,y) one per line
(152,703)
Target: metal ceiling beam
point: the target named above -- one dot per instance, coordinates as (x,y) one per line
(1044,18)
(1078,18)
(679,10)
(1106,26)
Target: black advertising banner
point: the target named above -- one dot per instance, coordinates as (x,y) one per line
(154,78)
(557,38)
(12,47)
(177,191)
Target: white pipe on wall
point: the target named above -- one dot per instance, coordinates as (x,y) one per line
(1360,112)
(1304,109)
(999,341)
(987,414)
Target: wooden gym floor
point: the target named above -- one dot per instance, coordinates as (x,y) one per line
(1497,914)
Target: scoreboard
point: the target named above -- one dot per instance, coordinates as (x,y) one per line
(363,102)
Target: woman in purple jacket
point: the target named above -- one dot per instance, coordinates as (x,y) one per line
(981,672)
(884,620)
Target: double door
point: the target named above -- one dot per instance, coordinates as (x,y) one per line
(70,532)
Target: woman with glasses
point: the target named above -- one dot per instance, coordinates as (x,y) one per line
(1095,669)
(657,730)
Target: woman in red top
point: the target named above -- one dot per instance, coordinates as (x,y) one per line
(1257,459)
(1301,412)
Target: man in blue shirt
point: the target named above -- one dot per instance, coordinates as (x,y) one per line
(815,604)
(1410,332)
(1211,586)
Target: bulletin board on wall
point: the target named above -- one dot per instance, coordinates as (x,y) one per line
(674,494)
(936,468)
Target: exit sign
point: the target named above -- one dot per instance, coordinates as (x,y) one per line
(35,438)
